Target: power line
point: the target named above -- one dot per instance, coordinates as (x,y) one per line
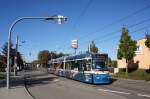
(80,15)
(119,20)
(110,38)
(115,36)
(112,33)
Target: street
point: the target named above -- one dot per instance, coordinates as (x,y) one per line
(47,86)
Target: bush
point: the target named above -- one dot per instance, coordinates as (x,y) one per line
(2,76)
(139,74)
(2,69)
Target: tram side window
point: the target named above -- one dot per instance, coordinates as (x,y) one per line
(86,65)
(74,66)
(80,68)
(67,67)
(71,66)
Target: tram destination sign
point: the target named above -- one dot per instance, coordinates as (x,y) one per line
(101,56)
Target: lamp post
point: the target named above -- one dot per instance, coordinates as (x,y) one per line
(60,19)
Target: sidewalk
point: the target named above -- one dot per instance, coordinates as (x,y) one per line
(17,90)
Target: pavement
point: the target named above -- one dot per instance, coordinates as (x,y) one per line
(16,91)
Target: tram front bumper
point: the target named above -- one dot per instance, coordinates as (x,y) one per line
(101,79)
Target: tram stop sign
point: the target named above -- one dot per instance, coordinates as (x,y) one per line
(74,44)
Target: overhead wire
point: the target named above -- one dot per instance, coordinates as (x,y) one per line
(117,21)
(77,22)
(111,24)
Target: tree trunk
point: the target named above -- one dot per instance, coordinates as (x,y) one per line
(126,67)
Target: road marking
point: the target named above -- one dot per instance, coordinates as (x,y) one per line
(143,95)
(55,80)
(114,91)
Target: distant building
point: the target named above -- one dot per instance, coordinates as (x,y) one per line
(142,58)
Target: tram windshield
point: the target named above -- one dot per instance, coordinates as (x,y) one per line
(99,62)
(100,65)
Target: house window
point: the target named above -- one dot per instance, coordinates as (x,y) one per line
(138,49)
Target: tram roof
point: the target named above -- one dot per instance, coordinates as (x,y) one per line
(77,57)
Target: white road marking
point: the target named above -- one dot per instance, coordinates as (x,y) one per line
(143,95)
(55,80)
(114,91)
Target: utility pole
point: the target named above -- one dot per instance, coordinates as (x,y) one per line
(89,47)
(16,56)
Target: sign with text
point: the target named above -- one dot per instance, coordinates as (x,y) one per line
(74,44)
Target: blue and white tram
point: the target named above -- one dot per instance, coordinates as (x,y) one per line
(89,68)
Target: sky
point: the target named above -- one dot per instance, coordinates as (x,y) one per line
(98,20)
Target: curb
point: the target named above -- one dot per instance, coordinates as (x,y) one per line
(131,79)
(26,88)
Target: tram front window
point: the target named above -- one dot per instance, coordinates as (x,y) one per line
(98,65)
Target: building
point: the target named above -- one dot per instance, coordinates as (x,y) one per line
(142,58)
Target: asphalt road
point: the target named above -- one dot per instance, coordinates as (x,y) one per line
(47,86)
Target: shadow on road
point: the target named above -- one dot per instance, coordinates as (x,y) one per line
(33,81)
(113,80)
(15,82)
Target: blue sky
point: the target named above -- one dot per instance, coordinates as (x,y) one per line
(86,21)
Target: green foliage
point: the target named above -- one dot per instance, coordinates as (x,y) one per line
(109,62)
(4,53)
(3,57)
(93,47)
(2,76)
(114,63)
(55,54)
(2,64)
(43,57)
(127,46)
(19,60)
(147,42)
(139,74)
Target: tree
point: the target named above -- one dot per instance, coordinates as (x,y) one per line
(109,62)
(147,42)
(93,47)
(4,53)
(43,57)
(20,60)
(127,47)
(114,63)
(2,64)
(54,54)
(12,55)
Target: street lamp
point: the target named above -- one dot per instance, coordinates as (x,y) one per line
(60,19)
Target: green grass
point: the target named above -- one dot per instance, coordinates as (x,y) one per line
(136,75)
(2,76)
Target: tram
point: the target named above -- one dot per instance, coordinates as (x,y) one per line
(88,67)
